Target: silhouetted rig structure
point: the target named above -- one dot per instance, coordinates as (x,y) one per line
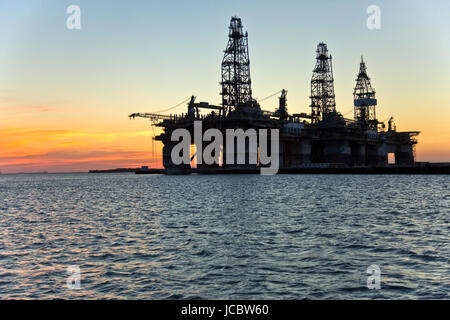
(321,139)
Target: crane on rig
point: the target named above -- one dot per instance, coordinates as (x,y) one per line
(192,112)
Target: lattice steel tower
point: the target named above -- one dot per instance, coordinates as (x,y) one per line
(236,83)
(322,85)
(364,99)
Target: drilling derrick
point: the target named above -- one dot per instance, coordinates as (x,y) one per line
(236,83)
(364,99)
(322,85)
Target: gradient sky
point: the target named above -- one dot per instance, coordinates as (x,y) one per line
(65,94)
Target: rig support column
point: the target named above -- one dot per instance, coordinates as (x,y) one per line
(337,152)
(169,166)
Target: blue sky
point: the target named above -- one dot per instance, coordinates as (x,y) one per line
(177,45)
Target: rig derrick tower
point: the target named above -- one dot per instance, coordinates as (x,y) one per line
(364,100)
(236,83)
(322,85)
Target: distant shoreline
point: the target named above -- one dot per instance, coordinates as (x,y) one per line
(424,168)
(42,172)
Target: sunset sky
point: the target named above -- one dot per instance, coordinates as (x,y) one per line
(65,94)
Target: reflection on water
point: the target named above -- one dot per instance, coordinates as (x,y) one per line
(224,236)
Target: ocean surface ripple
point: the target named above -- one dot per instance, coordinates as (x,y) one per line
(224,236)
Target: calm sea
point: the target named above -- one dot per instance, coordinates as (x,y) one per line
(223,236)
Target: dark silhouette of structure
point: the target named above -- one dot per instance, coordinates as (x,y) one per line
(322,139)
(322,85)
(364,99)
(236,82)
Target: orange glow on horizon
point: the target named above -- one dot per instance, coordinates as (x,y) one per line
(60,150)
(67,150)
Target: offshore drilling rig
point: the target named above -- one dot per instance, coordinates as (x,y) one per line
(321,139)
